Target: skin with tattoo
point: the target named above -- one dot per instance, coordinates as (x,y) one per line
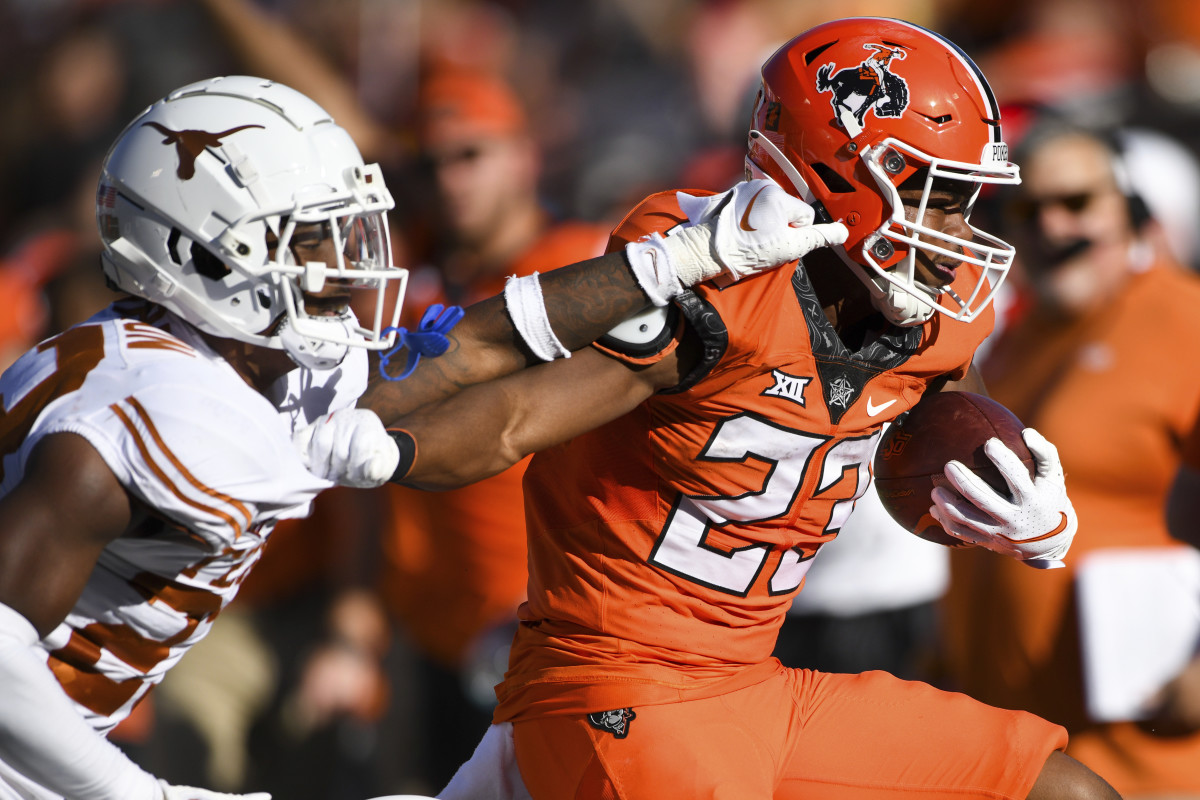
(582,303)
(549,403)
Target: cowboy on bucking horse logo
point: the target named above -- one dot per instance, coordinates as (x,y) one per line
(869,85)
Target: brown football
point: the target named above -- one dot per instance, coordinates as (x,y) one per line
(944,426)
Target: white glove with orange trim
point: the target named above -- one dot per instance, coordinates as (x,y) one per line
(752,227)
(1036,526)
(170,792)
(349,447)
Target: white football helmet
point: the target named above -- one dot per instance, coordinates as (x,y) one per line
(199,198)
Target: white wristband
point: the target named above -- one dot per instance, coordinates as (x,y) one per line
(527,309)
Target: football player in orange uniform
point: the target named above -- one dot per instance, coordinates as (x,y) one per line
(665,545)
(147,453)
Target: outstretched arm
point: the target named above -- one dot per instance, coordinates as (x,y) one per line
(582,302)
(753,227)
(492,426)
(487,427)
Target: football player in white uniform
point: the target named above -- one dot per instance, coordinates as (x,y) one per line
(146,454)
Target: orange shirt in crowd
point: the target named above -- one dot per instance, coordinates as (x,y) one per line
(1117,392)
(455,561)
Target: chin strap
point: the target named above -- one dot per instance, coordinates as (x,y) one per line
(899,306)
(429,339)
(315,354)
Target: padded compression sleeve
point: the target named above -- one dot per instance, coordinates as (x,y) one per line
(43,737)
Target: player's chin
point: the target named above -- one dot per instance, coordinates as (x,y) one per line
(938,275)
(943,272)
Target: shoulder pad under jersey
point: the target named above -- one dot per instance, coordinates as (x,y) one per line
(644,334)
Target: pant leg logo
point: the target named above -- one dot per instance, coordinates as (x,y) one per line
(615,722)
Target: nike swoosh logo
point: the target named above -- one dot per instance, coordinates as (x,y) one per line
(1062,526)
(745,223)
(875,410)
(654,265)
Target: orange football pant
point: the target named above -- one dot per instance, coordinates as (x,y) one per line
(799,734)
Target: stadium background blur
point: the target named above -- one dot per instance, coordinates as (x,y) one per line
(623,97)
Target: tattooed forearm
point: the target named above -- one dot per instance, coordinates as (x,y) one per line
(434,379)
(583,301)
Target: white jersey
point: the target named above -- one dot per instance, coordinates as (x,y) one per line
(210,461)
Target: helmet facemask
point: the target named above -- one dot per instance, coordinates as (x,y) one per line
(892,252)
(887,259)
(361,250)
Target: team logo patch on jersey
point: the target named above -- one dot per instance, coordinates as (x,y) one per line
(615,722)
(870,85)
(190,144)
(841,392)
(789,387)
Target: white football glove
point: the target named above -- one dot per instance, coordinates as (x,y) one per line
(170,792)
(349,447)
(1036,526)
(752,227)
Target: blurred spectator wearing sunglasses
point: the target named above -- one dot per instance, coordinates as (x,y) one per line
(1104,363)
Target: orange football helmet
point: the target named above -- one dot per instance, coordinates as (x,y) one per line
(850,110)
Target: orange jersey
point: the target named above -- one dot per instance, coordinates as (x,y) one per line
(1117,392)
(665,547)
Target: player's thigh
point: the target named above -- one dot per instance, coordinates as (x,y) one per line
(711,748)
(873,735)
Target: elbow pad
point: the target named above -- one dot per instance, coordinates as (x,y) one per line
(644,338)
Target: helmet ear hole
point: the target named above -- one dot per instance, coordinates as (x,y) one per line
(207,264)
(833,182)
(173,245)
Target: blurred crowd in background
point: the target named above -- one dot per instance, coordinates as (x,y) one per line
(513,134)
